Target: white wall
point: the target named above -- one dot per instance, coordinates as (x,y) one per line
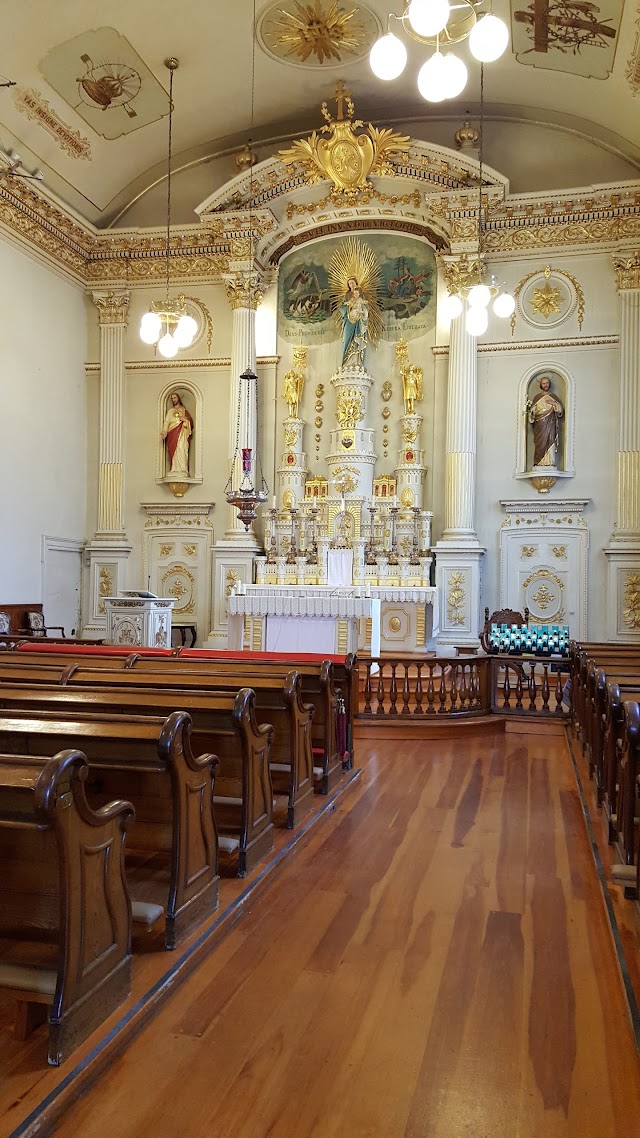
(43,452)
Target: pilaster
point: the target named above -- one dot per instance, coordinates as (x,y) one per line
(623,551)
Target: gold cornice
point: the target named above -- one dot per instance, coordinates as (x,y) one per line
(627,269)
(160,364)
(535,345)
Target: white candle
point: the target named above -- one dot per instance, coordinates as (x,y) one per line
(342,504)
(273,503)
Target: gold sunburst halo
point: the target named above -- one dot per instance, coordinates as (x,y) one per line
(318,29)
(353,258)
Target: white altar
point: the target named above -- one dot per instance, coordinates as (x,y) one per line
(335,620)
(139,622)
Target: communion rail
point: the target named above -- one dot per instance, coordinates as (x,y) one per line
(461,687)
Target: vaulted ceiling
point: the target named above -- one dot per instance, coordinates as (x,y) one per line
(100,151)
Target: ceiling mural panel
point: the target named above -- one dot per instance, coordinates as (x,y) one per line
(103,78)
(574,36)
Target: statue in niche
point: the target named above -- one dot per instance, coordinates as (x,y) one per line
(412,387)
(355,288)
(292,391)
(177,432)
(544,412)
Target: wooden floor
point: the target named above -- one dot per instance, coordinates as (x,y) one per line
(434,963)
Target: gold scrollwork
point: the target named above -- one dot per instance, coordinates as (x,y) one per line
(546,300)
(165,550)
(350,407)
(455,599)
(559,551)
(631,604)
(529,550)
(179,589)
(105,586)
(231,580)
(627,269)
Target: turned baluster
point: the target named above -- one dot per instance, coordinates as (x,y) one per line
(405,692)
(559,691)
(545,688)
(519,688)
(533,687)
(431,692)
(418,707)
(380,692)
(393,691)
(464,687)
(454,688)
(442,694)
(367,689)
(473,686)
(506,687)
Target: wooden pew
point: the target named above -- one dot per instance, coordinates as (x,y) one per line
(62,882)
(628,792)
(149,761)
(343,672)
(245,796)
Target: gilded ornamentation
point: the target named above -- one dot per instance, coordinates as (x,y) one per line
(632,71)
(35,106)
(543,597)
(293,383)
(288,500)
(455,599)
(245,290)
(346,158)
(181,588)
(346,479)
(547,300)
(231,580)
(462,271)
(386,429)
(631,603)
(165,550)
(319,405)
(190,550)
(529,550)
(319,391)
(105,586)
(113,307)
(201,306)
(350,407)
(386,411)
(178,489)
(543,484)
(290,435)
(323,28)
(318,422)
(395,624)
(627,269)
(408,498)
(386,391)
(559,551)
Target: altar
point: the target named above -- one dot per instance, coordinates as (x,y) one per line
(334,620)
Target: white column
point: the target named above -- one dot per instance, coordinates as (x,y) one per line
(458,552)
(460,461)
(623,552)
(233,556)
(108,552)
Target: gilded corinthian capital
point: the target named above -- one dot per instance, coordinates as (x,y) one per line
(627,269)
(244,290)
(113,307)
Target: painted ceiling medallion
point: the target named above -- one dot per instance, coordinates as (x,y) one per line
(567,35)
(319,33)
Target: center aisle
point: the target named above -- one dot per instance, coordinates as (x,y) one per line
(434,963)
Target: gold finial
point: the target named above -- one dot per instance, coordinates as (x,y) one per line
(467,137)
(340,96)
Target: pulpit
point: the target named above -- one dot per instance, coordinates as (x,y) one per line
(139,621)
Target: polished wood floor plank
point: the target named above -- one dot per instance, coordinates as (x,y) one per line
(435,962)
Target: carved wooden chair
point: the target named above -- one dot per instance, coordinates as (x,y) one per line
(37,627)
(501,616)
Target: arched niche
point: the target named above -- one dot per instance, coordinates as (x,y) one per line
(191,397)
(541,383)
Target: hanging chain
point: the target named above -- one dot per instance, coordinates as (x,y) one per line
(171,70)
(480,156)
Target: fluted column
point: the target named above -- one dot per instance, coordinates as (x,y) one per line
(460,460)
(623,552)
(108,553)
(458,553)
(244,292)
(113,311)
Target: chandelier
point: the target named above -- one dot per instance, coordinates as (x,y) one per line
(440,23)
(474,290)
(167,323)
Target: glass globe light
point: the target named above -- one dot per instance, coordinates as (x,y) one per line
(388,57)
(454,74)
(451,306)
(150,327)
(504,304)
(431,83)
(428,17)
(167,346)
(489,39)
(479,296)
(476,321)
(185,332)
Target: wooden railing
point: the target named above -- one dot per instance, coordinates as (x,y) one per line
(460,687)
